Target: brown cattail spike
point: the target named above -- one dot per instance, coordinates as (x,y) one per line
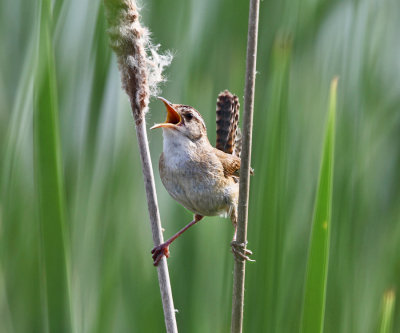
(139,62)
(227,123)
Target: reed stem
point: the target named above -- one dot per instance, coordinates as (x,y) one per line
(155,222)
(244,185)
(141,70)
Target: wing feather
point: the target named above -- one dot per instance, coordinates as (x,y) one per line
(230,163)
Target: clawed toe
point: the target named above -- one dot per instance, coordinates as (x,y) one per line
(240,252)
(158,252)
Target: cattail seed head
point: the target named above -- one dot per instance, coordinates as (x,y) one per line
(139,62)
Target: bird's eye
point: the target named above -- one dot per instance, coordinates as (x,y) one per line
(189,116)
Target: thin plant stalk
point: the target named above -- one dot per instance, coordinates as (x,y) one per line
(162,268)
(141,70)
(244,186)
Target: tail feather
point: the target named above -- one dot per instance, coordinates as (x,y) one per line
(238,143)
(227,123)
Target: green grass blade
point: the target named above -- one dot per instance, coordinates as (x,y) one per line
(272,149)
(48,180)
(318,257)
(387,312)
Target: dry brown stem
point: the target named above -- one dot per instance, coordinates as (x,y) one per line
(244,184)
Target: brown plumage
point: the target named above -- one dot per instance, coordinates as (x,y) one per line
(227,123)
(230,163)
(203,179)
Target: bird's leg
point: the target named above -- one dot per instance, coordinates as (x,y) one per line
(162,249)
(239,249)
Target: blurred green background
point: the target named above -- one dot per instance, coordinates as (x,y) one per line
(112,285)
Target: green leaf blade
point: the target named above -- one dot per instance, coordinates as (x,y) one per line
(389,299)
(318,258)
(48,182)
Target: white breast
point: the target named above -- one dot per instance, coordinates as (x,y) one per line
(178,149)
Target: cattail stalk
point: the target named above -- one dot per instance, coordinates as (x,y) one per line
(141,70)
(244,185)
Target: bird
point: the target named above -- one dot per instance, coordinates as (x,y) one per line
(202,178)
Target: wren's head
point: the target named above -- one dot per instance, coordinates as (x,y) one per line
(183,120)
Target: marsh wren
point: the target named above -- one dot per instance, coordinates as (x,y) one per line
(200,177)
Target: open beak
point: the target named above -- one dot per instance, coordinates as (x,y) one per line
(173,117)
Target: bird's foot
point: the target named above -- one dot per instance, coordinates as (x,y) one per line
(159,251)
(240,252)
